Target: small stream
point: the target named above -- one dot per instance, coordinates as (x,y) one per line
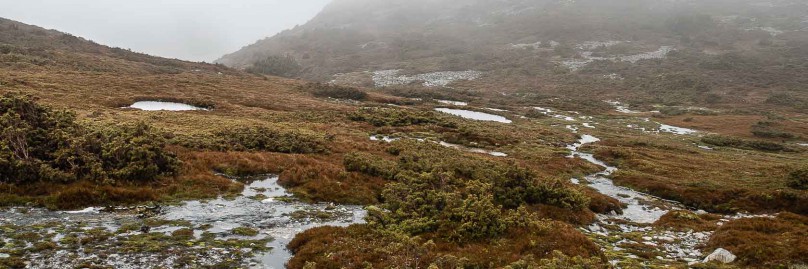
(250,230)
(620,235)
(264,207)
(641,207)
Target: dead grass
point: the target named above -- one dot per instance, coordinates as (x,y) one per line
(728,180)
(765,242)
(358,245)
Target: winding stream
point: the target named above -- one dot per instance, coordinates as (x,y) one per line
(641,207)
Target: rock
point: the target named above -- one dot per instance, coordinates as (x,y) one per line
(720,255)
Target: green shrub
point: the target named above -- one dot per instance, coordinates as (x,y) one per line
(798,179)
(787,99)
(369,164)
(256,138)
(726,141)
(398,117)
(134,153)
(459,197)
(40,144)
(672,111)
(274,140)
(284,66)
(766,129)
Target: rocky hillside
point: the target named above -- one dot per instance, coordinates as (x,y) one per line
(646,51)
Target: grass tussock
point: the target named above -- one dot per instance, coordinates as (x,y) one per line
(683,220)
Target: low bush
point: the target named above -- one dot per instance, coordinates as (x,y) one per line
(380,117)
(274,140)
(38,144)
(798,178)
(257,138)
(284,66)
(459,198)
(767,129)
(370,165)
(726,141)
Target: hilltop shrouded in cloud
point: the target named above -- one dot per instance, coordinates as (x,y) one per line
(198,30)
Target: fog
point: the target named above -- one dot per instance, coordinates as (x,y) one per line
(197,30)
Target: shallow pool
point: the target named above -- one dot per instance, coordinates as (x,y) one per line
(474,115)
(163,106)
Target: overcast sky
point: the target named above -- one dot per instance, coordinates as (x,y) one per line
(198,30)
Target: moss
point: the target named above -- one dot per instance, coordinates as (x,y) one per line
(184,233)
(245,231)
(686,220)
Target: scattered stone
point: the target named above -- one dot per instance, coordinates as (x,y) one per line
(720,255)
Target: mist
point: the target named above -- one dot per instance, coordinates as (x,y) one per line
(195,30)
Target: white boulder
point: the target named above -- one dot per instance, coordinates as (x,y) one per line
(720,255)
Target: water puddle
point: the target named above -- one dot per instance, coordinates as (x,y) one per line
(163,106)
(474,115)
(454,103)
(676,130)
(473,150)
(554,114)
(384,138)
(622,108)
(389,139)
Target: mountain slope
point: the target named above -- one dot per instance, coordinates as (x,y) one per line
(559,48)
